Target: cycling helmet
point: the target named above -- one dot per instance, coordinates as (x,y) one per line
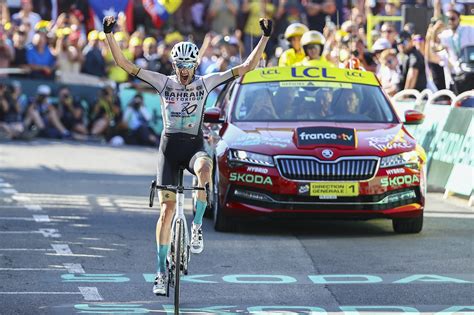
(312,38)
(185,52)
(295,29)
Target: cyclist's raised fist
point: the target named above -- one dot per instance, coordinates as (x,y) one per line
(109,23)
(266,25)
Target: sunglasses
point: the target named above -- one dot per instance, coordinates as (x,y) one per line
(185,65)
(387,31)
(453,18)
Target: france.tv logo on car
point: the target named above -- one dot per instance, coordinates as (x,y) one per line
(313,136)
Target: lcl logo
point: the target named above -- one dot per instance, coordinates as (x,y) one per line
(269,73)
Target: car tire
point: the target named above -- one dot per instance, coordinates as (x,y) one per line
(208,212)
(222,223)
(408,226)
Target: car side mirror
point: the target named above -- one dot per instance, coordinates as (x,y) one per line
(213,116)
(414,117)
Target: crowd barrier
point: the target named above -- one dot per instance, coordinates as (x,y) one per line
(447,135)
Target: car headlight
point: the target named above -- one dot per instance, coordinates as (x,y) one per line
(408,159)
(250,157)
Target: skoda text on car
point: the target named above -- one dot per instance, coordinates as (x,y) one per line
(314,142)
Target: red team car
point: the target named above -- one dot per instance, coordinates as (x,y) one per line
(314,142)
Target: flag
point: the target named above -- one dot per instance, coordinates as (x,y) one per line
(104,8)
(158,13)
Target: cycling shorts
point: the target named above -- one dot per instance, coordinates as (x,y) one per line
(178,150)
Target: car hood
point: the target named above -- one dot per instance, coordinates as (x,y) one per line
(376,139)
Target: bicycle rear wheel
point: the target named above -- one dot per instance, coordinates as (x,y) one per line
(179,242)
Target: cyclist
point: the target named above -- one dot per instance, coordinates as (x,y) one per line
(294,54)
(183,97)
(313,45)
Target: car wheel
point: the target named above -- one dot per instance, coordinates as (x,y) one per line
(208,212)
(408,226)
(222,222)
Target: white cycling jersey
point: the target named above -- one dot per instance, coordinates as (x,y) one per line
(182,107)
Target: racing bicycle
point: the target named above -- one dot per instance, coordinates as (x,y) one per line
(180,249)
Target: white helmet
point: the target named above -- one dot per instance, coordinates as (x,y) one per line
(185,52)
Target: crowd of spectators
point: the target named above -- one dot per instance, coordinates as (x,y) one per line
(67,48)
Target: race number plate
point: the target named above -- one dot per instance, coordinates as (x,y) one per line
(334,189)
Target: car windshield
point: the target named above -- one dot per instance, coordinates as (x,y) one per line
(312,101)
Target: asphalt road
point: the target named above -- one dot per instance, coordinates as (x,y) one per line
(77,236)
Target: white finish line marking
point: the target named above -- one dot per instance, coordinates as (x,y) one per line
(27,249)
(33,207)
(21,198)
(54,233)
(36,218)
(31,269)
(62,249)
(41,218)
(74,268)
(5,185)
(10,191)
(31,293)
(90,294)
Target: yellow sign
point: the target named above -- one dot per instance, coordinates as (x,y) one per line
(322,74)
(334,189)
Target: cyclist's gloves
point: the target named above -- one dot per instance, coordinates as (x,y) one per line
(108,23)
(267,26)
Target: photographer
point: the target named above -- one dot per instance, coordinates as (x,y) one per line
(137,118)
(10,118)
(44,116)
(71,112)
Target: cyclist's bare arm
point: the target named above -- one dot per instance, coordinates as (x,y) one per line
(119,58)
(254,57)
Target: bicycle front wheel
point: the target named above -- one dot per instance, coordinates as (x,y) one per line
(178,264)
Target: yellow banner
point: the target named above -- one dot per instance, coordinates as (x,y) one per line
(321,74)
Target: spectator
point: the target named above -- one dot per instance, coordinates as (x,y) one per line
(137,118)
(288,12)
(44,116)
(254,9)
(164,63)
(455,39)
(6,52)
(366,58)
(19,46)
(295,54)
(150,54)
(136,47)
(68,57)
(389,32)
(26,14)
(11,125)
(317,10)
(106,115)
(39,57)
(222,14)
(378,48)
(413,74)
(71,112)
(94,63)
(436,56)
(389,75)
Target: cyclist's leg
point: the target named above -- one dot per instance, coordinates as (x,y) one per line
(167,174)
(202,167)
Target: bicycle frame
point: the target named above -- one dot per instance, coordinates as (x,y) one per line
(183,242)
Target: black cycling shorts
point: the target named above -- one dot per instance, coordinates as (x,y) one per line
(178,151)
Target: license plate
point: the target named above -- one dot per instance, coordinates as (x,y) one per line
(334,189)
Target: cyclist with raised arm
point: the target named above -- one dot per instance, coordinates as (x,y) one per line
(183,97)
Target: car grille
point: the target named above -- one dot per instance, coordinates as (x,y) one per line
(312,169)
